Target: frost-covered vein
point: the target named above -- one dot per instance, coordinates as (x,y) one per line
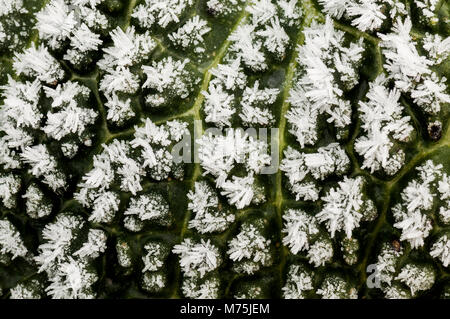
(282,125)
(129,11)
(374,40)
(357,33)
(195,111)
(389,186)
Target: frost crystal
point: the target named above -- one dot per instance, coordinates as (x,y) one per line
(334,287)
(275,38)
(27,290)
(250,249)
(201,289)
(191,34)
(384,125)
(247,48)
(427,9)
(441,250)
(219,154)
(239,191)
(416,277)
(10,240)
(151,206)
(410,70)
(397,292)
(197,259)
(153,142)
(299,228)
(37,204)
(300,167)
(155,256)
(100,183)
(119,111)
(444,191)
(412,213)
(58,236)
(345,207)
(95,245)
(20,106)
(438,48)
(218,106)
(15,23)
(117,162)
(72,279)
(44,165)
(255,102)
(161,12)
(66,258)
(264,35)
(298,281)
(129,49)
(105,205)
(223,7)
(349,250)
(169,78)
(154,281)
(38,63)
(9,187)
(321,58)
(55,23)
(231,75)
(60,22)
(387,263)
(68,117)
(123,251)
(291,12)
(320,252)
(366,15)
(209,215)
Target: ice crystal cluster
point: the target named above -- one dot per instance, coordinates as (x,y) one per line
(224,149)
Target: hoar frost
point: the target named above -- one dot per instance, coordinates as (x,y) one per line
(96,96)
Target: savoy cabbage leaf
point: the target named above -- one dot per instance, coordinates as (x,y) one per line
(224,149)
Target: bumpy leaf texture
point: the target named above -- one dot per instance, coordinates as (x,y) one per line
(224,148)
